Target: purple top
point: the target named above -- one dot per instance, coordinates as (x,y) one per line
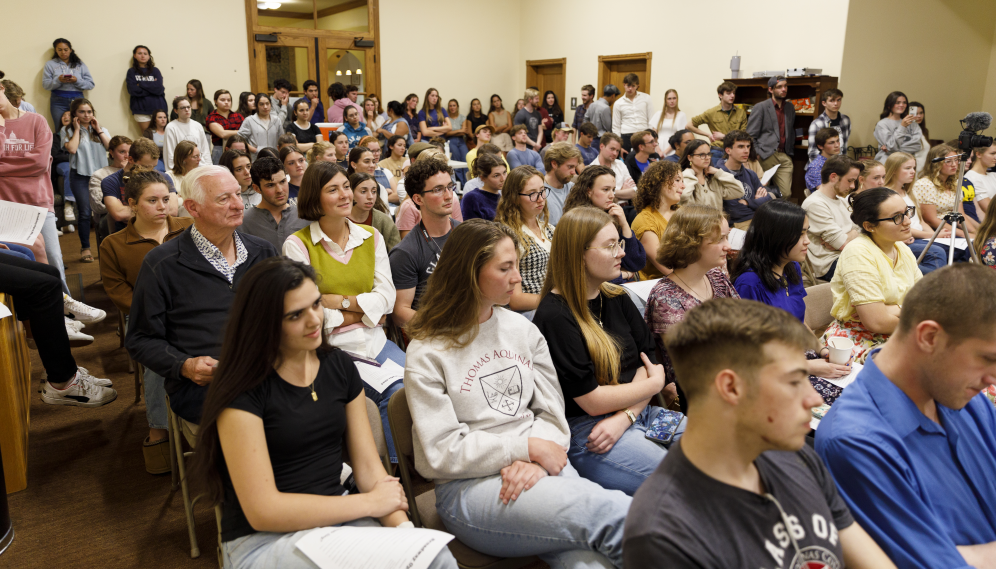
(788,297)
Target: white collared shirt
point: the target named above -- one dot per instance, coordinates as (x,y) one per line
(619,167)
(368,338)
(632,116)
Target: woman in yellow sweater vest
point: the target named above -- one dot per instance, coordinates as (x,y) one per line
(351,259)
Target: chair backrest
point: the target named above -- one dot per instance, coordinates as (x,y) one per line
(373,415)
(399,416)
(819,300)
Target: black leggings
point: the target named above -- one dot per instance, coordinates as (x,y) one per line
(37,292)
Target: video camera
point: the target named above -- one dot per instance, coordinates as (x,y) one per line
(971,125)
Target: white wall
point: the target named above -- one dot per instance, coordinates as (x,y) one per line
(103,34)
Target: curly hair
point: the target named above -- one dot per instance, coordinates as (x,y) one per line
(649,192)
(688,229)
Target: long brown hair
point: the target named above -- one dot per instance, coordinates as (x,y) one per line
(450,306)
(182,151)
(579,194)
(566,273)
(440,113)
(509,212)
(931,170)
(75,106)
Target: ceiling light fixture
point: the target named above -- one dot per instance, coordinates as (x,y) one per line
(359,72)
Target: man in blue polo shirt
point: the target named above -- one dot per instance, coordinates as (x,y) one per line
(912,443)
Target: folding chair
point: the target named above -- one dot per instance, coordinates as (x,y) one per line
(421,493)
(380,438)
(178,459)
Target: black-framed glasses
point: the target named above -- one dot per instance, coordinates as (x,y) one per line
(700,155)
(535,196)
(440,189)
(898,218)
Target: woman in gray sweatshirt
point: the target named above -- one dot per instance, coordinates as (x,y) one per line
(261,129)
(897,131)
(489,419)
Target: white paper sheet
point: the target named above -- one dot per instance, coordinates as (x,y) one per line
(841,382)
(351,547)
(642,288)
(768,174)
(736,238)
(4,311)
(20,223)
(959,242)
(380,378)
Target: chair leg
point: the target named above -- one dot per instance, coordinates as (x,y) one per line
(187,505)
(217,519)
(172,448)
(138,372)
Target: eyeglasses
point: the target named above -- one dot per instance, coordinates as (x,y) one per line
(535,196)
(898,218)
(183,108)
(440,189)
(700,155)
(612,249)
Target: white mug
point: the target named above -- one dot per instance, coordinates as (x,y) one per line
(840,350)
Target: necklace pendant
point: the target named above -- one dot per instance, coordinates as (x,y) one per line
(314,396)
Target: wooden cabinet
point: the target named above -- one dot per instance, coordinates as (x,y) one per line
(15,386)
(754,90)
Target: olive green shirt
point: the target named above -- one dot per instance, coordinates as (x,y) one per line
(722,121)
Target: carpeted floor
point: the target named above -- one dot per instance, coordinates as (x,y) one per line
(89,501)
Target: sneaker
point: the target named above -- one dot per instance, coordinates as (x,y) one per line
(77,339)
(68,212)
(59,232)
(75,324)
(68,228)
(78,393)
(81,311)
(156,456)
(85,376)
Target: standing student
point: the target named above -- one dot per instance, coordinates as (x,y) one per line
(706,184)
(340,102)
(185,129)
(367,209)
(66,76)
(600,112)
(656,201)
(141,154)
(479,441)
(632,111)
(247,103)
(457,137)
(88,143)
(411,115)
(900,173)
(311,94)
(223,123)
(896,131)
(145,86)
(530,116)
(499,119)
(831,117)
(281,388)
(772,125)
(200,106)
(720,119)
(918,112)
(281,100)
(552,107)
(356,286)
(523,208)
(668,121)
(261,129)
(476,117)
(603,353)
(482,203)
(432,119)
(237,162)
(587,96)
(300,126)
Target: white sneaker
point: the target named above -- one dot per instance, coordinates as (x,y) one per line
(84,374)
(59,232)
(75,324)
(78,393)
(68,212)
(77,339)
(81,311)
(68,228)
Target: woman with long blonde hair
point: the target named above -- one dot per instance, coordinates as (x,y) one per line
(935,189)
(523,209)
(667,121)
(900,172)
(488,415)
(603,353)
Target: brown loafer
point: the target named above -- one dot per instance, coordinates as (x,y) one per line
(156,456)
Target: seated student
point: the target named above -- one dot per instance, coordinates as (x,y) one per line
(642,155)
(274,218)
(499,432)
(678,141)
(898,175)
(694,246)
(237,162)
(117,157)
(353,127)
(236,142)
(706,184)
(935,191)
(300,126)
(596,187)
(828,143)
(561,133)
(523,209)
(484,134)
(562,163)
(609,150)
(284,141)
(381,175)
(271,442)
(356,284)
(121,256)
(737,145)
(603,353)
(408,215)
(586,135)
(873,175)
(911,442)
(186,157)
(874,272)
(361,159)
(322,152)
(522,155)
(341,143)
(142,153)
(985,239)
(368,209)
(483,202)
(185,289)
(656,201)
(981,176)
(830,225)
(294,166)
(741,488)
(415,258)
(476,182)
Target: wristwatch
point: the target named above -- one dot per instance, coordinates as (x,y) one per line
(345,302)
(632,417)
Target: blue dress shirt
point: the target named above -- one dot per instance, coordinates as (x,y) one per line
(917,487)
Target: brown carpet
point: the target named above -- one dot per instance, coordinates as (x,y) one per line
(89,501)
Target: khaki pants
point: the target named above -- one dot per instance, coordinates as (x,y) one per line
(783,177)
(742,225)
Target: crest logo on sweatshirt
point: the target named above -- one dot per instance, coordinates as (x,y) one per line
(503,390)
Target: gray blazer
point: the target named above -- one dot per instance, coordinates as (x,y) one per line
(762,125)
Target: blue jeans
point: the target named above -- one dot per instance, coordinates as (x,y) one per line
(392,352)
(630,461)
(19,251)
(263,550)
(155,399)
(52,248)
(161,167)
(80,185)
(565,520)
(58,105)
(216,153)
(62,168)
(458,152)
(936,256)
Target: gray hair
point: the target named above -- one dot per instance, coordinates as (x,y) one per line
(192,187)
(610,90)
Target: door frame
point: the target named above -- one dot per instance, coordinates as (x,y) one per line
(531,75)
(605,60)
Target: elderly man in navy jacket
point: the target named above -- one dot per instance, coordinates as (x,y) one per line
(772,125)
(186,287)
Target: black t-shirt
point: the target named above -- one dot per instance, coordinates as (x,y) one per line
(305,135)
(690,519)
(477,121)
(304,436)
(414,259)
(569,352)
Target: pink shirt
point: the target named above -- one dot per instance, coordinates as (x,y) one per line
(339,107)
(25,161)
(408,215)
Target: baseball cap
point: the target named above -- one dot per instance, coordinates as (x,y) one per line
(563,126)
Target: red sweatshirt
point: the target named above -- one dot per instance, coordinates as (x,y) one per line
(25,161)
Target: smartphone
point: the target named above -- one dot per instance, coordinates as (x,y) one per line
(663,427)
(914,111)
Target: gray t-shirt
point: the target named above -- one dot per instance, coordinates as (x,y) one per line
(414,259)
(531,120)
(260,223)
(692,520)
(555,201)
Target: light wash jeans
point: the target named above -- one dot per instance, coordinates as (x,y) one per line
(630,461)
(264,550)
(392,352)
(216,153)
(155,395)
(565,520)
(52,248)
(80,185)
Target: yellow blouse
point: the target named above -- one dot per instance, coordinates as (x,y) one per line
(865,275)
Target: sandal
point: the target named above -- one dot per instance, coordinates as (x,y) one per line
(86,256)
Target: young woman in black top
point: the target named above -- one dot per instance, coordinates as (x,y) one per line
(278,411)
(300,126)
(603,353)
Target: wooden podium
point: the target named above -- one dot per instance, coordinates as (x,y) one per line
(15,387)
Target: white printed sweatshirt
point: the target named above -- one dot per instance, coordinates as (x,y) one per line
(475,408)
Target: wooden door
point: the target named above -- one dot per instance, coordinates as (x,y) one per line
(612,69)
(290,57)
(548,75)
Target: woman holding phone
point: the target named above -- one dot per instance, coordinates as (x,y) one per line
(66,76)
